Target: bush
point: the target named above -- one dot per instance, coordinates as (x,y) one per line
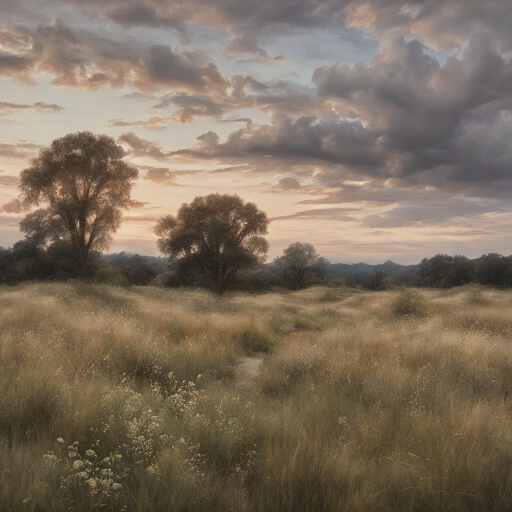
(408,303)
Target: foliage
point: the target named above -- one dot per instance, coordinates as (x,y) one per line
(408,302)
(494,269)
(212,238)
(443,271)
(84,184)
(296,265)
(379,281)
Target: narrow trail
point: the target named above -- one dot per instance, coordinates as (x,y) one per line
(248,369)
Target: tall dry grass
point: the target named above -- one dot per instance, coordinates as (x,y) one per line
(126,399)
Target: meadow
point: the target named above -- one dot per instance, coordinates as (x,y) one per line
(135,399)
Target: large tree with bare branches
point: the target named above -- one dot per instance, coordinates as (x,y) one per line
(82,181)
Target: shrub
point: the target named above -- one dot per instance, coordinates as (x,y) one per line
(408,303)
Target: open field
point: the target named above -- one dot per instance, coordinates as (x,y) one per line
(135,399)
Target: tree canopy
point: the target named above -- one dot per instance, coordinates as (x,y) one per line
(295,263)
(84,184)
(213,237)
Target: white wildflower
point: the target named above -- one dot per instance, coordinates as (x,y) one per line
(92,483)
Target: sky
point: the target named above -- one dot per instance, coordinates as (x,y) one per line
(373,129)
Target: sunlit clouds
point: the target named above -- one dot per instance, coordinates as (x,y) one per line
(371,129)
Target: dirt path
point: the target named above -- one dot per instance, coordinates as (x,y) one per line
(247,370)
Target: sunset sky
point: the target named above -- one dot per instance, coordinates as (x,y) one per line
(373,129)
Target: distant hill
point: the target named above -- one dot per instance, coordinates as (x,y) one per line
(349,270)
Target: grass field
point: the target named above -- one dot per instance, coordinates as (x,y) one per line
(126,399)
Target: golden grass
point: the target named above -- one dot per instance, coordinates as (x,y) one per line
(376,401)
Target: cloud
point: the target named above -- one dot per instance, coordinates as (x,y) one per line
(80,59)
(431,214)
(165,176)
(141,147)
(161,176)
(19,149)
(306,139)
(242,17)
(286,184)
(13,206)
(339,214)
(233,168)
(152,123)
(165,67)
(278,96)
(191,106)
(133,203)
(427,116)
(248,44)
(7,180)
(15,108)
(446,25)
(141,218)
(145,15)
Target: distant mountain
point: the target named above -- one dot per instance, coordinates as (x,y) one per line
(364,270)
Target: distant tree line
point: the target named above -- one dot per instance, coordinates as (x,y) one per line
(216,241)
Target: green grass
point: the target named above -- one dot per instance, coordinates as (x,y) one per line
(376,401)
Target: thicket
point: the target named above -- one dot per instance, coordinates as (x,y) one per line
(29,261)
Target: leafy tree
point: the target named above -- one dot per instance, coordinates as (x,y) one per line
(493,269)
(295,264)
(212,238)
(379,281)
(84,184)
(43,227)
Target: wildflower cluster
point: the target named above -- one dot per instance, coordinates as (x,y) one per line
(88,479)
(136,431)
(222,429)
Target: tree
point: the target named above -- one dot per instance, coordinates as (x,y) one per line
(295,264)
(493,269)
(379,281)
(84,184)
(443,271)
(213,237)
